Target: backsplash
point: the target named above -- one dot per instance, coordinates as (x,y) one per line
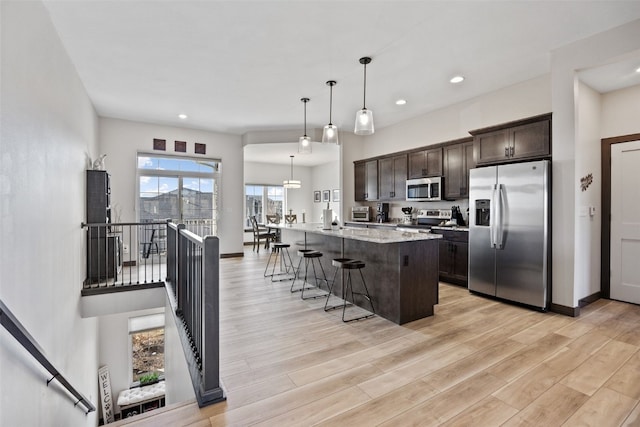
(395,208)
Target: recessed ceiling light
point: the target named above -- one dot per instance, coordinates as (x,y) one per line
(638,70)
(182,116)
(456,79)
(401,101)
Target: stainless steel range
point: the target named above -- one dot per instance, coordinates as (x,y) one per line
(433,217)
(427,218)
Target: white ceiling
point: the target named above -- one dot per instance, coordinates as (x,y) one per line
(242,66)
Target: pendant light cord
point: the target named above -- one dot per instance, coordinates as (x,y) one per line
(364,95)
(291,179)
(330,102)
(305,100)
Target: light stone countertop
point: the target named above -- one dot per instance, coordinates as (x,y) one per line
(455,228)
(373,235)
(367,223)
(392,225)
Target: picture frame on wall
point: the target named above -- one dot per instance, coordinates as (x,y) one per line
(326,196)
(316,196)
(336,195)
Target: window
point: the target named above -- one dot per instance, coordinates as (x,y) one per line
(262,200)
(182,189)
(146,343)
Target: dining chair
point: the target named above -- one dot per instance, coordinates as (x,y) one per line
(259,234)
(273,220)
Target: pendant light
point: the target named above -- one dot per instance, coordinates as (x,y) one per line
(364,117)
(330,132)
(291,183)
(304,144)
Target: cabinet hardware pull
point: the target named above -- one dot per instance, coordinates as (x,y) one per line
(512,151)
(506,151)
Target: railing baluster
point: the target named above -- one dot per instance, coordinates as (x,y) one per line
(196,302)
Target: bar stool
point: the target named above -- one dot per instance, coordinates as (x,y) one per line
(313,257)
(280,251)
(347,287)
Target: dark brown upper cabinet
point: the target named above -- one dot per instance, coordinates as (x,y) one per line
(366,180)
(520,140)
(392,176)
(425,163)
(457,161)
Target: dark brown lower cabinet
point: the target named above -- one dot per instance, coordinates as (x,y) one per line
(454,256)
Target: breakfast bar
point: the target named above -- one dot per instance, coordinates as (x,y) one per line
(401,267)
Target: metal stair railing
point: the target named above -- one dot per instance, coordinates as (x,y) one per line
(15,328)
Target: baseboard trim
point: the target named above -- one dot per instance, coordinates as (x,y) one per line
(589,299)
(232,255)
(564,310)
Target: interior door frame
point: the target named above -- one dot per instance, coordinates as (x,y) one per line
(605,243)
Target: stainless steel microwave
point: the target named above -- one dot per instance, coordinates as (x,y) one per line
(424,189)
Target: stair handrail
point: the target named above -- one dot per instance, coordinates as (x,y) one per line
(19,332)
(193,290)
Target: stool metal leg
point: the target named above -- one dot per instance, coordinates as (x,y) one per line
(273,250)
(327,307)
(366,296)
(315,275)
(283,263)
(297,276)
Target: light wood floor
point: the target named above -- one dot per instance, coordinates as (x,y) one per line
(476,362)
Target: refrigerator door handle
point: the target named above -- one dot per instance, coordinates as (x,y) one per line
(492,218)
(499,219)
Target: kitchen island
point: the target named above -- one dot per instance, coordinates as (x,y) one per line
(401,267)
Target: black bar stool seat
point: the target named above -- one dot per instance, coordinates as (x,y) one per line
(347,287)
(280,251)
(313,257)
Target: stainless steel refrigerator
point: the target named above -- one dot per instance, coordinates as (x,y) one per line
(509,232)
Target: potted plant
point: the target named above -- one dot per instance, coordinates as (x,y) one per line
(150,378)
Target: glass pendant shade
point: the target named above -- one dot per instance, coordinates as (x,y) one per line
(330,131)
(364,117)
(364,122)
(291,183)
(330,134)
(304,145)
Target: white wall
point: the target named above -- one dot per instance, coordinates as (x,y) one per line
(587,227)
(620,112)
(326,177)
(515,102)
(114,347)
(48,129)
(594,51)
(122,140)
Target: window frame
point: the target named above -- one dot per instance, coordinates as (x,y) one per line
(265,198)
(136,330)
